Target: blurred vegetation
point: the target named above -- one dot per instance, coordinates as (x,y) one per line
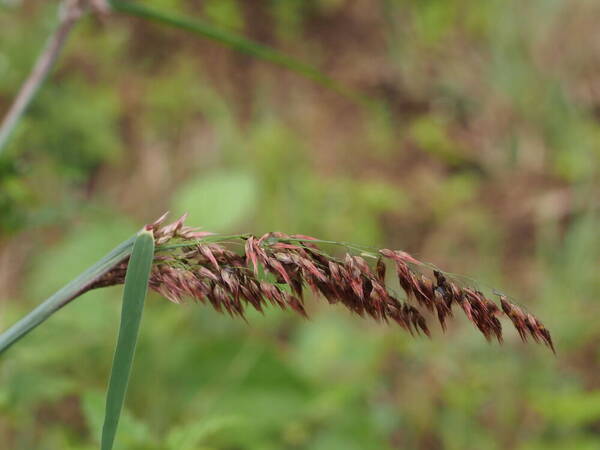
(482,156)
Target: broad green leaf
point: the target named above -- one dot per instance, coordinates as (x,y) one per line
(134,293)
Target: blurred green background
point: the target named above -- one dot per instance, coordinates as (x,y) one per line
(481,155)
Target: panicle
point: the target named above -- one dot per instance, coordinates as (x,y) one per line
(276,268)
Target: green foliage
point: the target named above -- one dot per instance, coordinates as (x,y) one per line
(20,45)
(218,200)
(191,437)
(225,13)
(77,141)
(430,135)
(14,194)
(132,433)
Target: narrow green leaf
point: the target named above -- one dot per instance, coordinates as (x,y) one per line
(64,295)
(238,43)
(134,293)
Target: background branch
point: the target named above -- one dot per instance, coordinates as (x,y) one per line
(70,12)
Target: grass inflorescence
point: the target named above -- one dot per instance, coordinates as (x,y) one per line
(211,269)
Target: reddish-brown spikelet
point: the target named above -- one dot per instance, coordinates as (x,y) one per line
(526,324)
(229,282)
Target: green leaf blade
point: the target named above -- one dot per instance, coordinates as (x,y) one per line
(65,295)
(134,294)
